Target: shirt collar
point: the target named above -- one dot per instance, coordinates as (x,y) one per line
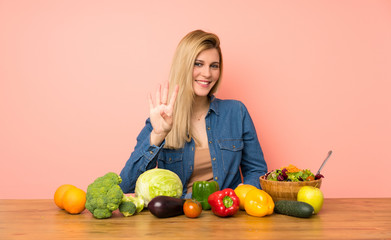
(213,104)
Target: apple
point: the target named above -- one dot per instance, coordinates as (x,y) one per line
(312,196)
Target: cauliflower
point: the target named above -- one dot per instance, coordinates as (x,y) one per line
(104,195)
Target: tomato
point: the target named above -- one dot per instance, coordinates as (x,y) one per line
(310,178)
(192,208)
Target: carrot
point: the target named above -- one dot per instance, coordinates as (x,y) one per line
(291,168)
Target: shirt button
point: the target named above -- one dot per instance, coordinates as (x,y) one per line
(169,160)
(216,178)
(233,146)
(214,159)
(210,142)
(150,152)
(208,128)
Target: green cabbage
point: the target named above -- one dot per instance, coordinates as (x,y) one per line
(158,182)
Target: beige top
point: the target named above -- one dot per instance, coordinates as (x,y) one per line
(202,170)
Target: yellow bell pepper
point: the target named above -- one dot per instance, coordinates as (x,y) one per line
(258,203)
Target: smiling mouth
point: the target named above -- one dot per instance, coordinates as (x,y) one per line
(203,83)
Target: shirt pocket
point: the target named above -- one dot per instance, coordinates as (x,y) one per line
(172,159)
(231,154)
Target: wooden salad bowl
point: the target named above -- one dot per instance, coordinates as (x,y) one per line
(283,190)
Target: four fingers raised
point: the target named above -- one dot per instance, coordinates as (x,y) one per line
(161,97)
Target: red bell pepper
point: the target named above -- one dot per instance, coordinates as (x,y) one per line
(224,203)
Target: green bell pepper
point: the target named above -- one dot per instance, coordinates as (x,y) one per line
(201,191)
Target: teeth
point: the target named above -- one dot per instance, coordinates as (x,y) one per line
(203,82)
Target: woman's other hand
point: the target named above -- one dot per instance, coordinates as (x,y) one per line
(161,113)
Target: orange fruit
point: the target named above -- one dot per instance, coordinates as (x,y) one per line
(74,200)
(241,191)
(59,194)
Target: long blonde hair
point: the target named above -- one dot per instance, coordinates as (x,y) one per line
(181,73)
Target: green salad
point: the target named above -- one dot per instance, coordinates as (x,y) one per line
(292,174)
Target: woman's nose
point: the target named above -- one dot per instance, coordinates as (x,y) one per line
(206,72)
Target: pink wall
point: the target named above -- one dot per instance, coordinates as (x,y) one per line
(74,79)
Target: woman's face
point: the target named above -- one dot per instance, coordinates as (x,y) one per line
(206,71)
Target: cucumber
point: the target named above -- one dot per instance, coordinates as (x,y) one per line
(294,208)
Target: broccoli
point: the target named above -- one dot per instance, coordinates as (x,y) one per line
(127,207)
(104,195)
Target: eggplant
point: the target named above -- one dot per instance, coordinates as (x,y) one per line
(164,206)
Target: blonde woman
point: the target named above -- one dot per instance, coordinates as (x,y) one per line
(193,133)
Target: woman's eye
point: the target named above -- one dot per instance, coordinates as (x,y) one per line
(198,64)
(214,66)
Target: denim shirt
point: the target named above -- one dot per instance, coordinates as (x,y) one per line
(233,146)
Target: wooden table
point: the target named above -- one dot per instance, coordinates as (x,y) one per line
(339,219)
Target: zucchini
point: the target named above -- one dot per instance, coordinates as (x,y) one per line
(294,208)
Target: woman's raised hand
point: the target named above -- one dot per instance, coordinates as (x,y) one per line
(161,113)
